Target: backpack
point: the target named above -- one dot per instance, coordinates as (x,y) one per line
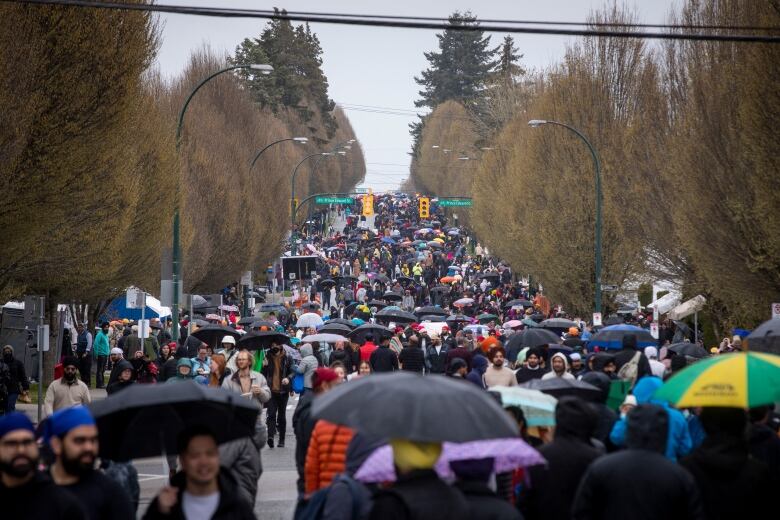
(315,507)
(629,370)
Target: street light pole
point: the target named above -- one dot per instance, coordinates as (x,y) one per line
(176,246)
(292,193)
(302,140)
(534,123)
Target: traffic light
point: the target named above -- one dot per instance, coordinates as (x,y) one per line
(368,205)
(425,207)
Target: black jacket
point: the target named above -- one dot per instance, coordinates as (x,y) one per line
(484,504)
(525,374)
(41,499)
(459,352)
(18,378)
(637,484)
(412,359)
(303,425)
(383,360)
(287,371)
(731,484)
(625,355)
(231,505)
(345,358)
(765,446)
(419,495)
(437,363)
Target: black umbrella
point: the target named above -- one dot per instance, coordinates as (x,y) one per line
(614,320)
(422,311)
(326,283)
(689,349)
(766,337)
(395,315)
(532,338)
(335,328)
(359,334)
(440,289)
(516,303)
(145,420)
(350,309)
(259,324)
(538,317)
(559,387)
(262,339)
(246,320)
(376,303)
(377,277)
(450,411)
(310,306)
(558,325)
(212,334)
(405,280)
(346,279)
(392,296)
(340,321)
(434,318)
(493,275)
(458,318)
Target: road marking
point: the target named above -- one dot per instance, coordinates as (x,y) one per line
(144,477)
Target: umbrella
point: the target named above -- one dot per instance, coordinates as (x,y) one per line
(340,321)
(451,410)
(611,337)
(507,455)
(388,240)
(335,328)
(538,408)
(558,387)
(323,338)
(528,322)
(310,306)
(557,324)
(686,348)
(308,319)
(259,324)
(458,318)
(462,302)
(272,307)
(433,318)
(379,331)
(199,301)
(532,338)
(392,296)
(741,380)
(262,339)
(434,244)
(326,283)
(521,303)
(212,334)
(378,277)
(213,317)
(486,317)
(447,279)
(614,320)
(512,324)
(766,337)
(490,275)
(246,321)
(405,280)
(440,289)
(376,303)
(398,316)
(145,420)
(430,309)
(538,317)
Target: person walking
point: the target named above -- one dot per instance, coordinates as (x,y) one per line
(326,455)
(100,350)
(73,438)
(532,368)
(26,492)
(84,352)
(307,365)
(412,358)
(278,370)
(497,374)
(18,384)
(651,485)
(125,377)
(66,391)
(436,360)
(559,366)
(383,359)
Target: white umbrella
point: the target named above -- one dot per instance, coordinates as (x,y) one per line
(323,338)
(309,319)
(463,302)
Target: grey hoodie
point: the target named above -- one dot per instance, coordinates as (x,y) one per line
(308,365)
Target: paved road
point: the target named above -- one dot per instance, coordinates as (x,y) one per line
(276,491)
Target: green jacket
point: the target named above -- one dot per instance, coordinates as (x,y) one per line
(101,346)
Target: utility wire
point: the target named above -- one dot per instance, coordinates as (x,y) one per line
(403,24)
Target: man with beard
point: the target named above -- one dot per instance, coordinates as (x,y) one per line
(67,390)
(73,438)
(24,491)
(279,370)
(532,368)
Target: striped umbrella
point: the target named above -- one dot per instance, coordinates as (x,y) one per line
(742,380)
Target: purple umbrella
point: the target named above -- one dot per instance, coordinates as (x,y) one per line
(508,454)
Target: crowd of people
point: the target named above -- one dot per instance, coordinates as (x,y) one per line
(408,295)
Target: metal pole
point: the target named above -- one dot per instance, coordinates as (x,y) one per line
(40,358)
(292,195)
(142,327)
(599,199)
(176,246)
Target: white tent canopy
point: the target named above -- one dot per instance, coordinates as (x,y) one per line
(666,302)
(692,306)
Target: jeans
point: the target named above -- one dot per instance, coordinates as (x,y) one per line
(276,417)
(101,367)
(11,404)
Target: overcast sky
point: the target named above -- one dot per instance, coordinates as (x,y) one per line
(375,67)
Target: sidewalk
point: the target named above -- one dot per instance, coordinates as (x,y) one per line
(32,409)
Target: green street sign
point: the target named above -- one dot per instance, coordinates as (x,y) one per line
(334,200)
(455,202)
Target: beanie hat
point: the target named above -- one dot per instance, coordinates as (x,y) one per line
(323,375)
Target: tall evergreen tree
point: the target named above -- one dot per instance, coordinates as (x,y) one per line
(461,67)
(507,68)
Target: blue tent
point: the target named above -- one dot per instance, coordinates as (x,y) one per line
(117,309)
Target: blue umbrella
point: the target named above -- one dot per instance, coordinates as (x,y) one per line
(611,337)
(388,240)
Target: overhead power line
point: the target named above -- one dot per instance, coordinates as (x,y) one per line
(505,27)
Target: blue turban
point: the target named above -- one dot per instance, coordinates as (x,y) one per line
(63,421)
(15,421)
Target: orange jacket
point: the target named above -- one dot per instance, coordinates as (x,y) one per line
(327,454)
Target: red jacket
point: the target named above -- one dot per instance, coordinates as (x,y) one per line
(366,350)
(327,454)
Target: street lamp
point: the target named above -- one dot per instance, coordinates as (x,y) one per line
(292,186)
(176,245)
(535,123)
(302,140)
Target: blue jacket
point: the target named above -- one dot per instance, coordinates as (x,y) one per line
(678,442)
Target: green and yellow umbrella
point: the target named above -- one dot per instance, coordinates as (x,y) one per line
(741,380)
